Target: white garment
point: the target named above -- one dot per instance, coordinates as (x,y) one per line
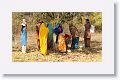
(23,49)
(23,24)
(92,29)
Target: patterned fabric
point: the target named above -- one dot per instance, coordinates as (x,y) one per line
(61,43)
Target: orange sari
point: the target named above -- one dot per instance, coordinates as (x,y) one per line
(61,43)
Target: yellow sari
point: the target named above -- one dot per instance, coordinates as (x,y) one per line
(43,33)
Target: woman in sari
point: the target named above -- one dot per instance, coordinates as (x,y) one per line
(43,33)
(50,36)
(24,35)
(63,42)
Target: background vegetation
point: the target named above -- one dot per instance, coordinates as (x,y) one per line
(77,18)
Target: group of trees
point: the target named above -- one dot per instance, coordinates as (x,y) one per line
(77,18)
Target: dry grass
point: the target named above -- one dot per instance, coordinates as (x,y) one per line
(93,54)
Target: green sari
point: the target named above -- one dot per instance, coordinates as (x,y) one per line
(50,36)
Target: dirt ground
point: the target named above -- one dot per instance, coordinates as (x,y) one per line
(93,54)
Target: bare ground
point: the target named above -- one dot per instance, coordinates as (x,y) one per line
(93,54)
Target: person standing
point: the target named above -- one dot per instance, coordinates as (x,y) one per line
(43,34)
(75,36)
(37,35)
(24,35)
(50,36)
(87,34)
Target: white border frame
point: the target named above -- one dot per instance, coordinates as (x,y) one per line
(104,67)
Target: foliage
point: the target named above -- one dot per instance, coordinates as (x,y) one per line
(77,18)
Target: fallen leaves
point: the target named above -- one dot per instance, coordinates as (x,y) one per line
(93,54)
(56,57)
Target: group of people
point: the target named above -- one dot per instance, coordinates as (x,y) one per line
(52,38)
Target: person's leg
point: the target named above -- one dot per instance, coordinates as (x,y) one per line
(22,49)
(85,42)
(25,49)
(38,44)
(66,42)
(56,43)
(76,42)
(73,44)
(57,39)
(88,42)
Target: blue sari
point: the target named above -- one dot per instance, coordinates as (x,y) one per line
(24,36)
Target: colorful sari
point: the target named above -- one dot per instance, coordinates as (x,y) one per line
(50,36)
(43,33)
(61,43)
